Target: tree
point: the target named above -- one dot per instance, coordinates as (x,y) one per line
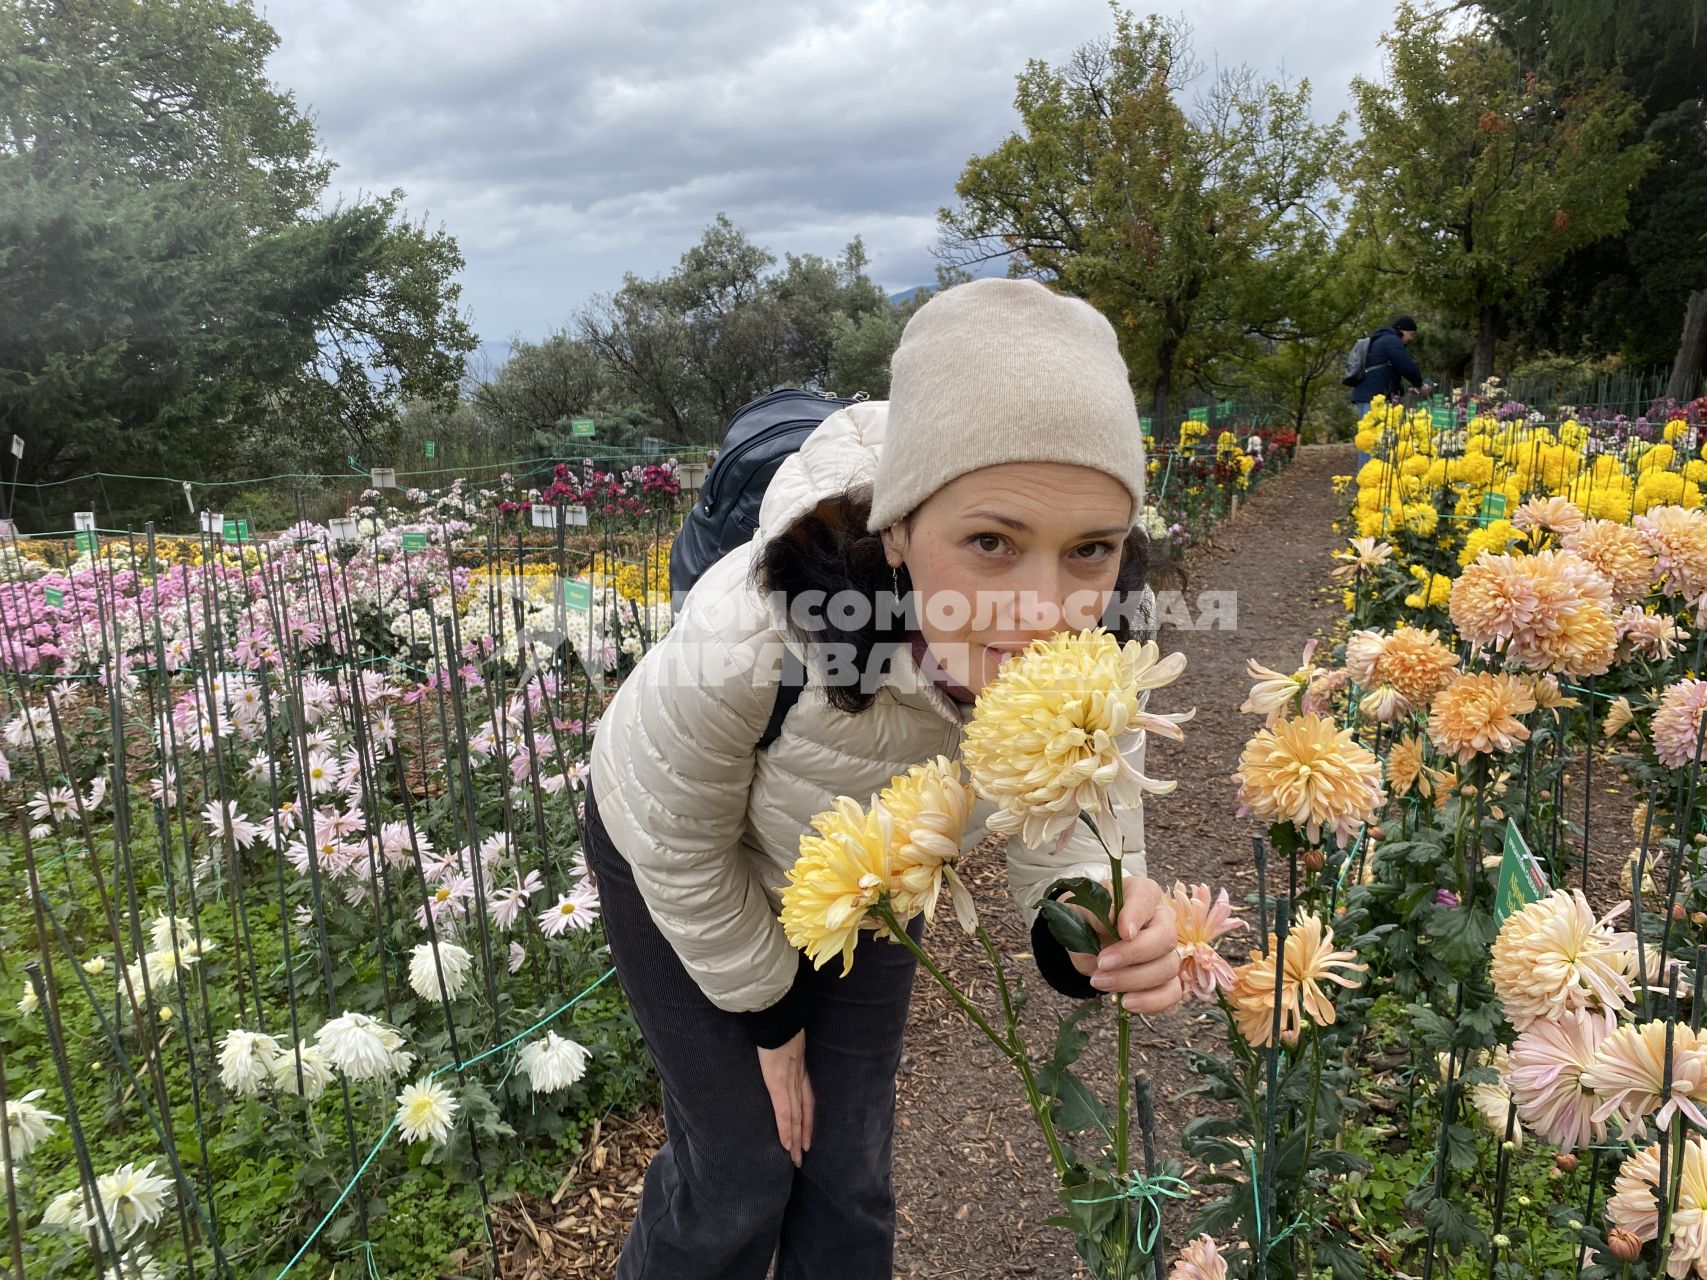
(1155,214)
(1477,175)
(539,389)
(1644,293)
(169,287)
(723,327)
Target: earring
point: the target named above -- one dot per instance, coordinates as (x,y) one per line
(895,580)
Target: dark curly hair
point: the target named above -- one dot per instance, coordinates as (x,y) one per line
(828,553)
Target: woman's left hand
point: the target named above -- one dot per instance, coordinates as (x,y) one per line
(1142,965)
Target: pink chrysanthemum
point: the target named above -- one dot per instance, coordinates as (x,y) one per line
(1677,722)
(1547,1069)
(1199,921)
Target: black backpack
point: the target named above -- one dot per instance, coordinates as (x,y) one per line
(762,433)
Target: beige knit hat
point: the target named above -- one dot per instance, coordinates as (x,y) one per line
(996,371)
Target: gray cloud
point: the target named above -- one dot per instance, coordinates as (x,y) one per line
(564,143)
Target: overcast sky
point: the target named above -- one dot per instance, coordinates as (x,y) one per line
(564,142)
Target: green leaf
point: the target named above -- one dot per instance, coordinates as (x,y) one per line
(1070,929)
(1089,894)
(1076,1107)
(1070,1039)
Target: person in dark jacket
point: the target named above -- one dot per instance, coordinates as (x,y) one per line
(1389,365)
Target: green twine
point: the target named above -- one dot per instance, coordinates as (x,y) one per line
(1149,1192)
(392,1127)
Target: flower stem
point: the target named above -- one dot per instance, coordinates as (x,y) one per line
(1011,1048)
(1022,1060)
(1122,1051)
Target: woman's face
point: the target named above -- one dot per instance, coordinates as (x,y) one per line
(1007,554)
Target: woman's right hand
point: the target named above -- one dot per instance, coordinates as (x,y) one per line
(784,1070)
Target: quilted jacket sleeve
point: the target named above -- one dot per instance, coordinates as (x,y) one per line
(677,766)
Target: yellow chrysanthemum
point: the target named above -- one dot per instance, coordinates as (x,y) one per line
(928,808)
(1553,957)
(1053,732)
(842,871)
(1310,961)
(1478,713)
(1309,772)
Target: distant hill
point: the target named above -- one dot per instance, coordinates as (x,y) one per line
(906,295)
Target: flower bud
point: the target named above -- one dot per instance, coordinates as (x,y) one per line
(1510,1144)
(1699,838)
(1624,1244)
(1376,833)
(1546,793)
(1314,860)
(1468,789)
(1699,918)
(1573,1225)
(1502,1241)
(1523,1202)
(1566,1162)
(1678,912)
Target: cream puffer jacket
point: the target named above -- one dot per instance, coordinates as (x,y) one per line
(709,824)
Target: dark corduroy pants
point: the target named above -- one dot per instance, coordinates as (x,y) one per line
(722,1198)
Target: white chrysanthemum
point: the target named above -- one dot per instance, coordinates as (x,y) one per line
(26,1123)
(553,1063)
(424,974)
(425,1111)
(133,1266)
(316,1071)
(246,1061)
(160,933)
(65,1210)
(27,1003)
(133,1198)
(363,1048)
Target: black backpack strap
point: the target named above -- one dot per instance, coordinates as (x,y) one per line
(788,692)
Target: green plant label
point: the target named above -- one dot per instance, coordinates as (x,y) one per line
(1522,878)
(54,596)
(430,448)
(236,531)
(86,543)
(578,594)
(1199,415)
(1226,409)
(414,542)
(1146,425)
(580,426)
(1440,418)
(1493,508)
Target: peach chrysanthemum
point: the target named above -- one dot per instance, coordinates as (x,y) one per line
(927,808)
(1198,921)
(1491,600)
(1478,713)
(1309,772)
(1553,957)
(1629,1074)
(1652,635)
(1546,1070)
(1053,733)
(842,871)
(1310,961)
(1677,539)
(1555,515)
(1551,611)
(1546,692)
(1634,1207)
(1410,659)
(1199,1260)
(1406,769)
(1619,716)
(1273,693)
(1677,722)
(1619,553)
